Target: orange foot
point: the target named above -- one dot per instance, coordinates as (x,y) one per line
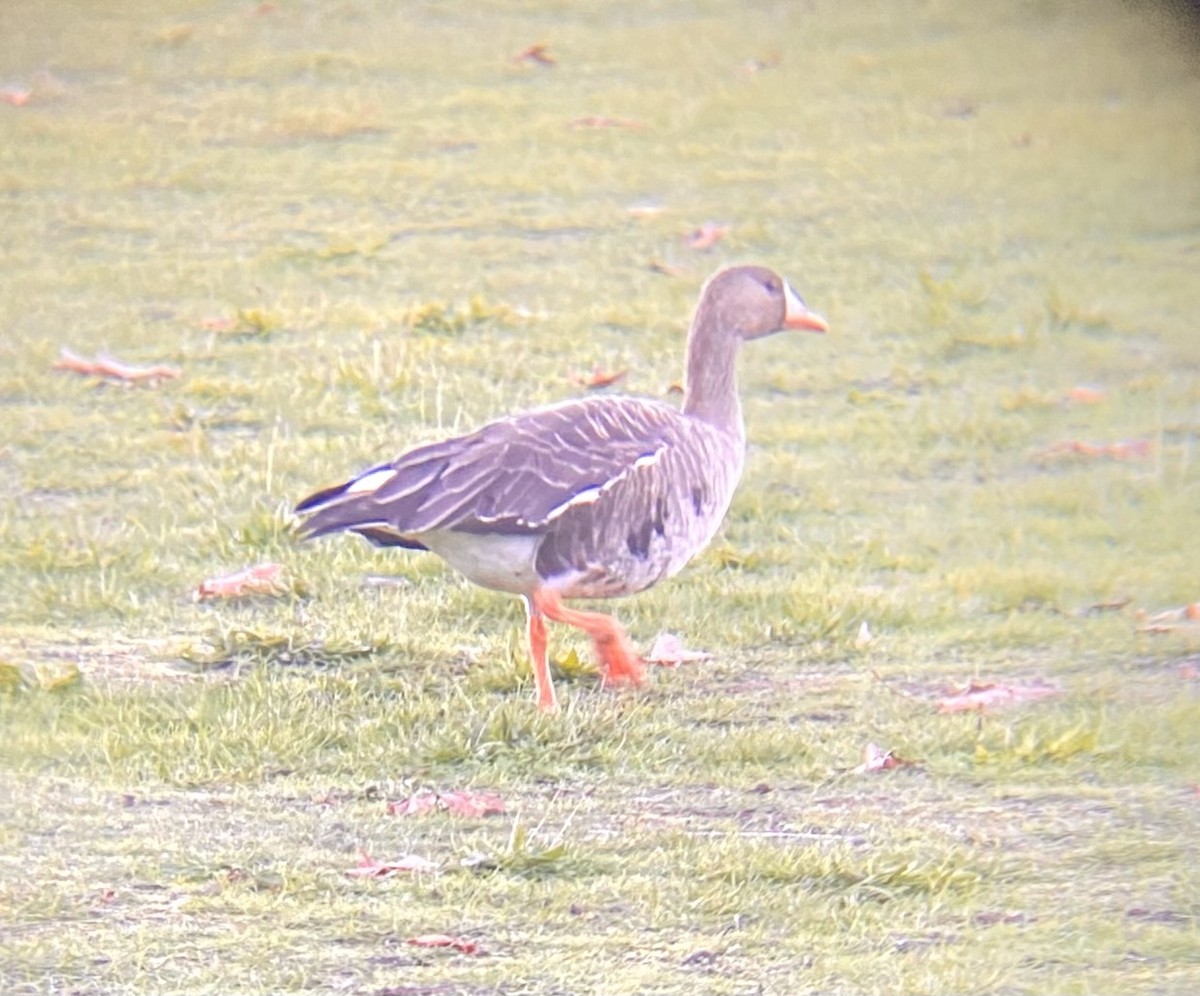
(619,662)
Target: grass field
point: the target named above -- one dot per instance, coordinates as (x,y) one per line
(357,226)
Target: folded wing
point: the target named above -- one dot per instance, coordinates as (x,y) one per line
(516,475)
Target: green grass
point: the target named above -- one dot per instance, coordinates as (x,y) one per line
(359,226)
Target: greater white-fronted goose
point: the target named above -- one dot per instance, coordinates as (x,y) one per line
(592,498)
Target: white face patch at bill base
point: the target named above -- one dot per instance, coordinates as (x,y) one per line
(794,305)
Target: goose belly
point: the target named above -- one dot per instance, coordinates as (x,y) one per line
(496,561)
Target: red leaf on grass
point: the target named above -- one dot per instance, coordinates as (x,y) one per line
(668,651)
(600,378)
(262,579)
(16,95)
(537,54)
(369,867)
(875,758)
(461,803)
(106,366)
(980,696)
(463,944)
(707,236)
(1084,395)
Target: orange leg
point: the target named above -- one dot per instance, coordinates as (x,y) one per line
(618,660)
(537,652)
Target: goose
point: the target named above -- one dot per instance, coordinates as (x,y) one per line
(590,498)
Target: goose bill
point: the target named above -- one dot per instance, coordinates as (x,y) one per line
(797,316)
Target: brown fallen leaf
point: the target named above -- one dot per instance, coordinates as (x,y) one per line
(261,579)
(707,236)
(474,803)
(461,803)
(1186,617)
(16,95)
(644,210)
(369,867)
(1130,449)
(225,324)
(463,944)
(536,54)
(1083,395)
(599,378)
(875,758)
(1191,612)
(1126,449)
(106,366)
(604,121)
(979,696)
(668,651)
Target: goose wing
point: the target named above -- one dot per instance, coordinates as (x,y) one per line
(513,476)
